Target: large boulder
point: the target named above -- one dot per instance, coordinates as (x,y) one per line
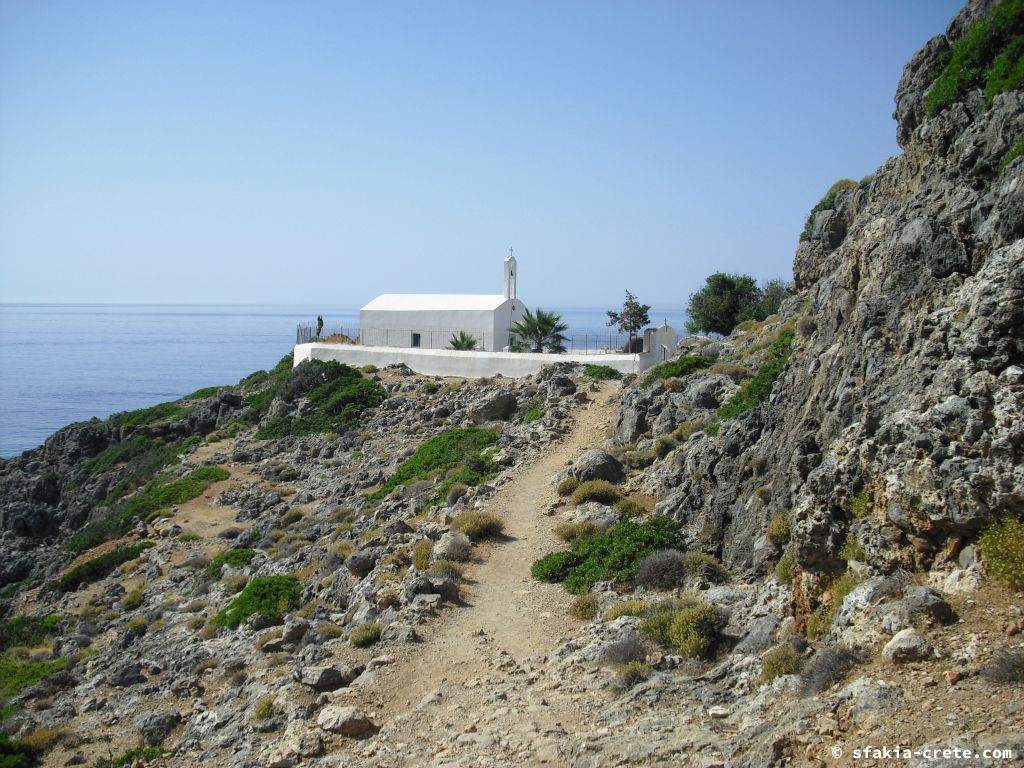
(597,465)
(347,721)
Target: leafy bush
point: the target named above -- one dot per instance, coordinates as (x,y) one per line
(693,629)
(779,529)
(596,490)
(784,569)
(601,372)
(28,631)
(267,595)
(626,608)
(859,505)
(639,459)
(140,418)
(991,53)
(676,369)
(202,394)
(339,402)
(131,757)
(631,675)
(1002,551)
(235,558)
(611,555)
(478,525)
(264,708)
(567,486)
(17,754)
(17,675)
(98,567)
(630,508)
(448,568)
(584,607)
(569,532)
(161,493)
(827,202)
(663,569)
(456,448)
(658,620)
(757,389)
(778,662)
(421,554)
(533,412)
(366,634)
(1016,151)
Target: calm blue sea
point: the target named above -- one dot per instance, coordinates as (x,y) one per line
(61,363)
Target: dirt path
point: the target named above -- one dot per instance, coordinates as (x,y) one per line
(476,684)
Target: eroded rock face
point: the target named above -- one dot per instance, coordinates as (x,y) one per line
(897,425)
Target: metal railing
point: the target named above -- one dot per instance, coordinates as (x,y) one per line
(577,343)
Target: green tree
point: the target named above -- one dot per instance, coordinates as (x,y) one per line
(773,293)
(543,330)
(462,341)
(724,302)
(631,319)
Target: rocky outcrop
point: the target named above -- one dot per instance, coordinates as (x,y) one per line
(896,425)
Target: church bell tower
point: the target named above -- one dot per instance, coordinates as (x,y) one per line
(510,275)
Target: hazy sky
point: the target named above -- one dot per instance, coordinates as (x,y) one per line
(277,152)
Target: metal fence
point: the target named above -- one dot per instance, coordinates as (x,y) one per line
(578,343)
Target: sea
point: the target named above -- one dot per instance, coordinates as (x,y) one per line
(62,363)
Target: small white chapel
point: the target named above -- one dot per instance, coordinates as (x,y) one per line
(430,320)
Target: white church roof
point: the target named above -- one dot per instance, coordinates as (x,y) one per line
(433,302)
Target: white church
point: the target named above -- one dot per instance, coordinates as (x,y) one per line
(430,320)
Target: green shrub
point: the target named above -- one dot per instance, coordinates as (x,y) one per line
(991,53)
(98,567)
(634,673)
(663,569)
(611,555)
(533,412)
(1002,551)
(448,568)
(757,389)
(162,412)
(554,567)
(584,607)
(784,569)
(703,566)
(664,445)
(161,493)
(639,459)
(202,394)
(625,608)
(675,369)
(658,621)
(693,629)
(601,372)
(234,558)
(457,448)
(779,529)
(16,675)
(421,554)
(779,661)
(366,634)
(859,507)
(131,757)
(263,709)
(569,532)
(567,486)
(596,490)
(851,549)
(1016,151)
(827,202)
(630,508)
(339,404)
(17,754)
(28,631)
(267,595)
(478,525)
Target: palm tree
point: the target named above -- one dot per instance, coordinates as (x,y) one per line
(543,329)
(463,341)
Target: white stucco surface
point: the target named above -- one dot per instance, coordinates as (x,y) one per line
(391,319)
(447,362)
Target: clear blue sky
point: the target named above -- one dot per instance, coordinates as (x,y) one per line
(275,152)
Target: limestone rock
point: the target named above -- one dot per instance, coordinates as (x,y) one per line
(347,721)
(906,645)
(597,465)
